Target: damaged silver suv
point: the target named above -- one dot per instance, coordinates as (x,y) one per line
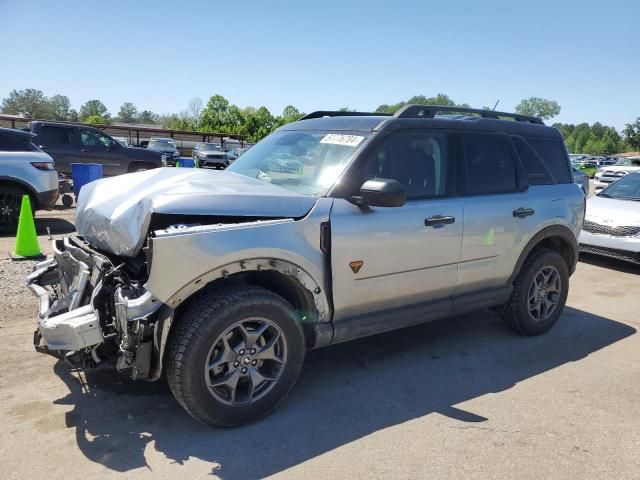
(335,227)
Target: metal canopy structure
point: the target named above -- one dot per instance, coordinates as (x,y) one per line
(136,133)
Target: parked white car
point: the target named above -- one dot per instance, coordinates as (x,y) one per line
(612,222)
(24,170)
(607,175)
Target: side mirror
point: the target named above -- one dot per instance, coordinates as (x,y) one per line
(381,192)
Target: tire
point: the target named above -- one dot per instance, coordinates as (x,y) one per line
(196,343)
(10,202)
(67,200)
(528,312)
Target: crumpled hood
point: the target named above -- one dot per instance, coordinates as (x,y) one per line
(114,214)
(615,212)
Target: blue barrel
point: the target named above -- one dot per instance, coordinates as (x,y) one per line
(83,173)
(187,162)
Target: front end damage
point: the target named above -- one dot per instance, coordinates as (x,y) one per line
(93,311)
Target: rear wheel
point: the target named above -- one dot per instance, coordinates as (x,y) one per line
(10,202)
(539,293)
(234,355)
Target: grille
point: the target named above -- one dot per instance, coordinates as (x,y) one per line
(619,231)
(611,252)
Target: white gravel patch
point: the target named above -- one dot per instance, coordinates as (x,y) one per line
(16,300)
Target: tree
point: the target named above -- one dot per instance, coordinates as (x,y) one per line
(194,109)
(596,139)
(128,113)
(538,107)
(60,107)
(95,119)
(94,108)
(147,116)
(631,134)
(73,115)
(30,102)
(439,99)
(289,114)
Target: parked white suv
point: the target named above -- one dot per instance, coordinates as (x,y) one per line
(24,169)
(609,174)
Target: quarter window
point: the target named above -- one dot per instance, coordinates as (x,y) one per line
(490,164)
(50,135)
(416,159)
(537,171)
(553,154)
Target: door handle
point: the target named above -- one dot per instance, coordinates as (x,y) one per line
(438,221)
(523,212)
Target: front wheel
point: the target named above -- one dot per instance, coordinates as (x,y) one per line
(234,355)
(539,293)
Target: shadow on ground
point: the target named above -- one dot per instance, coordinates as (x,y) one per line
(610,263)
(346,392)
(57,226)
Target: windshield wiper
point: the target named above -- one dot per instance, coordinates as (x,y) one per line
(605,195)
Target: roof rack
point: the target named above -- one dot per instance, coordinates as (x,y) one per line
(430,111)
(330,113)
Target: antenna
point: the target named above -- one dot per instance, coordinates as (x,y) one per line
(494,107)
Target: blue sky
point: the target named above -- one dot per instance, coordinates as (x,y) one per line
(327,54)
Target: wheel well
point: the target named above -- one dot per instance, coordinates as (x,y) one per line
(283,285)
(559,245)
(16,184)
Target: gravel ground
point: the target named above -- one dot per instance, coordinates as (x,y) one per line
(15,297)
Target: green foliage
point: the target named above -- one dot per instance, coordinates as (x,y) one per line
(94,108)
(631,134)
(128,113)
(30,102)
(538,107)
(95,119)
(254,124)
(439,99)
(596,139)
(60,107)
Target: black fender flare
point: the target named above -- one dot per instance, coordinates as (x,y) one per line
(560,231)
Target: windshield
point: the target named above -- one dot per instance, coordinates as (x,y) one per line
(628,162)
(627,188)
(161,144)
(306,162)
(210,147)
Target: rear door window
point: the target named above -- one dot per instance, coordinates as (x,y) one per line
(490,165)
(16,143)
(537,171)
(553,154)
(51,135)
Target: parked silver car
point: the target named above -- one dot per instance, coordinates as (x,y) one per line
(612,223)
(24,169)
(224,279)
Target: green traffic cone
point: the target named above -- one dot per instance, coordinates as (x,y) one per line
(178,163)
(27,245)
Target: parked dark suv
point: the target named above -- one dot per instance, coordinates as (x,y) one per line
(68,143)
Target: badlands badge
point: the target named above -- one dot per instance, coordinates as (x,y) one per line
(356,265)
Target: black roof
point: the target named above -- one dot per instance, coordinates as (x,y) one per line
(415,116)
(17,133)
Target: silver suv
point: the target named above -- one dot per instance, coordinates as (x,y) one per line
(24,170)
(223,279)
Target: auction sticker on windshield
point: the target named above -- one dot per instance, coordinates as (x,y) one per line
(338,139)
